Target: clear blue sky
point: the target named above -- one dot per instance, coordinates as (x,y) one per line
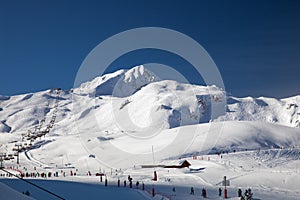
(255,44)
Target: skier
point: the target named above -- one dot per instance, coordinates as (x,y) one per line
(137,185)
(192,191)
(129,178)
(173,189)
(27,193)
(220,192)
(204,193)
(155,176)
(105,182)
(239,192)
(248,194)
(124,183)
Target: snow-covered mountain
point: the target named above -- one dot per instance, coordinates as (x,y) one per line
(118,120)
(135,102)
(141,100)
(135,95)
(279,111)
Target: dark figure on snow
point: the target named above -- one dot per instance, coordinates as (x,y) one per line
(220,192)
(129,178)
(137,185)
(204,193)
(248,194)
(174,190)
(192,191)
(124,183)
(27,193)
(239,192)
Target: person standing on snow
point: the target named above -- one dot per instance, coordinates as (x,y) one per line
(192,191)
(173,189)
(220,192)
(239,192)
(248,194)
(27,193)
(204,193)
(129,178)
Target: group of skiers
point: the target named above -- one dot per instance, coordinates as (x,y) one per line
(136,184)
(130,183)
(43,174)
(27,193)
(203,193)
(30,175)
(247,194)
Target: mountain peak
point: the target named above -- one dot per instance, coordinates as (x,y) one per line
(121,83)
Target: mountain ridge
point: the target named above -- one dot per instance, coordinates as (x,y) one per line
(139,90)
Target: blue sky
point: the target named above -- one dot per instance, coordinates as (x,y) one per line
(255,44)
